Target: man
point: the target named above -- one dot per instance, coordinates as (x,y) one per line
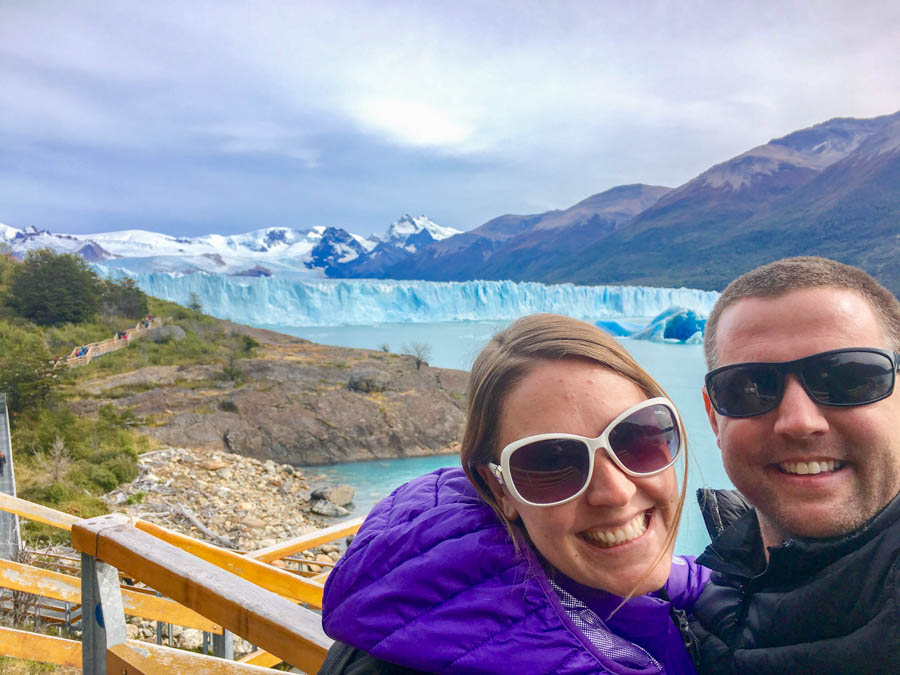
(801,398)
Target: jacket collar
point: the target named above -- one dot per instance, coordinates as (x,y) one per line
(738,550)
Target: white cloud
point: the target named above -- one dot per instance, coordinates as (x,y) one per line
(561,98)
(413,122)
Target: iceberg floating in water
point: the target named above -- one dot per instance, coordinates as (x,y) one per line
(676,324)
(280,300)
(619,328)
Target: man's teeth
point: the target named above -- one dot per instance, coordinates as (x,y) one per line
(806,468)
(609,538)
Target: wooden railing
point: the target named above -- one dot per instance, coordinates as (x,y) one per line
(206,587)
(95,349)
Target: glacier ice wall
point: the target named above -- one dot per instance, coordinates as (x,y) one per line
(292,302)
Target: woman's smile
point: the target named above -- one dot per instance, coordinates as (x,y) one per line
(611,537)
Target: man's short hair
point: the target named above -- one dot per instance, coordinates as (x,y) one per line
(791,274)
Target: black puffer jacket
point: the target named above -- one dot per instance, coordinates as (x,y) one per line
(819,606)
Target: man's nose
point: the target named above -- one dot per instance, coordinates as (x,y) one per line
(798,416)
(610,486)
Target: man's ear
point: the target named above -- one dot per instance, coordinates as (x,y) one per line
(712,415)
(501,495)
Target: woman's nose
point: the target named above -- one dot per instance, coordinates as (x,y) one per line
(610,486)
(798,416)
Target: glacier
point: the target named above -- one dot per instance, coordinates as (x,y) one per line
(284,301)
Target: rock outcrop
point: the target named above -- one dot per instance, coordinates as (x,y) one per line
(295,402)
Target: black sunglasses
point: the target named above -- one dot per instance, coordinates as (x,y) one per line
(840,377)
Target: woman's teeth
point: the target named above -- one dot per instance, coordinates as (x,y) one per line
(805,468)
(619,535)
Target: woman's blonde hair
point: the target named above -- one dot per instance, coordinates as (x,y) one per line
(508,358)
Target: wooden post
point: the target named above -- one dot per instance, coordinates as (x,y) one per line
(102,615)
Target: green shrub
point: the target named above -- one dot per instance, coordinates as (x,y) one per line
(249,345)
(123,467)
(136,498)
(47,493)
(103,478)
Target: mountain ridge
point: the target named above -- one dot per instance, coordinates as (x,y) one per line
(831,189)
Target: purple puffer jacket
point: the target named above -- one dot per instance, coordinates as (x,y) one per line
(432,582)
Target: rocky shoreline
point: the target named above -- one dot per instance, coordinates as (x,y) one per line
(238,502)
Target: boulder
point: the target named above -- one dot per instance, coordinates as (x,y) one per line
(367,379)
(323,507)
(336,494)
(164,333)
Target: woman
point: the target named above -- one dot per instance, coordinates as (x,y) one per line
(552,552)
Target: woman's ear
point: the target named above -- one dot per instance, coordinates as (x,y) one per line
(501,495)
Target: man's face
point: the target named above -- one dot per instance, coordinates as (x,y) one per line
(764,454)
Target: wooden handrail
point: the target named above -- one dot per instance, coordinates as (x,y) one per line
(260,658)
(64,652)
(273,579)
(32,511)
(19,577)
(21,644)
(143,658)
(306,541)
(292,633)
(278,581)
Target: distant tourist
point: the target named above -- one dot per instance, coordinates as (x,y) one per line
(801,396)
(550,550)
(2,462)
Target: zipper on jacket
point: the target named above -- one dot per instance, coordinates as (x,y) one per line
(679,617)
(744,603)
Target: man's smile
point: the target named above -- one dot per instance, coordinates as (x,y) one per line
(812,467)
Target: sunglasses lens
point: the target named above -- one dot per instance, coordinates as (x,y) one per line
(550,471)
(849,378)
(745,390)
(647,440)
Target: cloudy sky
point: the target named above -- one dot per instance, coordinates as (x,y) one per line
(227,116)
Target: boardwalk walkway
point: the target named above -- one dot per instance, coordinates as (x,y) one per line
(81,356)
(9,522)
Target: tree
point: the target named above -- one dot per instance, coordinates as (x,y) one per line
(51,289)
(25,368)
(421,351)
(123,298)
(194,302)
(57,461)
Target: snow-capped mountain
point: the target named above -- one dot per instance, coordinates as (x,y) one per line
(261,252)
(411,233)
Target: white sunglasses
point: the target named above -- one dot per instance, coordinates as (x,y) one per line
(555,468)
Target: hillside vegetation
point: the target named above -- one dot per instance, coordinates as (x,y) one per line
(49,305)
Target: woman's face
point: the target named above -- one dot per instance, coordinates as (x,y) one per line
(580,397)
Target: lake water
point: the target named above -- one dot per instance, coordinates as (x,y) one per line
(678,368)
